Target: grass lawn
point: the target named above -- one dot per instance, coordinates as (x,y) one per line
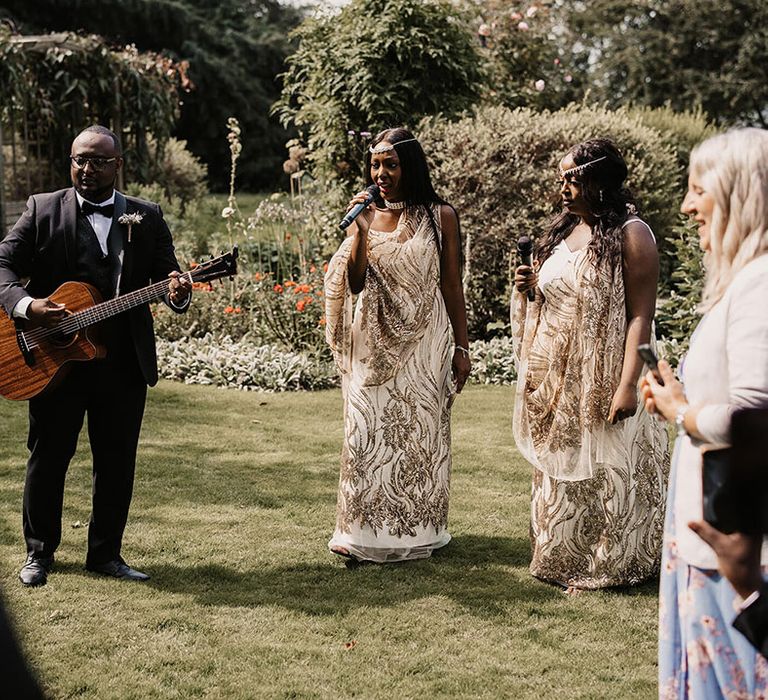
(233,506)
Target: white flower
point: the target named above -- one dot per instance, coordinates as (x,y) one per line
(523,26)
(531,11)
(539,85)
(131,220)
(227,212)
(134,218)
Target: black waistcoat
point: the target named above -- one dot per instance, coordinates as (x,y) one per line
(92,265)
(102,271)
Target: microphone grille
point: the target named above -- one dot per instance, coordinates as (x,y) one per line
(524,245)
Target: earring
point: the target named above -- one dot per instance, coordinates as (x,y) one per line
(601,195)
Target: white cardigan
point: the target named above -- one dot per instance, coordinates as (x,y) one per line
(726,368)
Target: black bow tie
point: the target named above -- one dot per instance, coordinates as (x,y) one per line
(105,210)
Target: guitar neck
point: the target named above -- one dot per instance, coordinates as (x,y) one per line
(113,307)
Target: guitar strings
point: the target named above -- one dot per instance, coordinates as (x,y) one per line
(128,301)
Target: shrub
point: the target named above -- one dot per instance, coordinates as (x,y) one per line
(492,362)
(181,174)
(676,315)
(220,361)
(498,167)
(375,64)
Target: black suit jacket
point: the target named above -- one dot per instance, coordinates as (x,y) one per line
(753,622)
(41,247)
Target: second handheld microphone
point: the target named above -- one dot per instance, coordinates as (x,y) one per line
(525,250)
(354,212)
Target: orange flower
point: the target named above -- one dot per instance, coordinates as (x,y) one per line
(287,235)
(236,310)
(321,322)
(325,267)
(257,276)
(297,290)
(228,310)
(305,288)
(300,305)
(319,292)
(312,268)
(289,283)
(278,288)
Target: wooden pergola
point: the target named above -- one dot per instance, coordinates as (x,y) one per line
(28,158)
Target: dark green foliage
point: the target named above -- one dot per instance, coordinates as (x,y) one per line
(235,49)
(685,53)
(377,64)
(676,315)
(51,90)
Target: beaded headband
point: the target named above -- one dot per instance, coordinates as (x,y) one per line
(579,168)
(381,148)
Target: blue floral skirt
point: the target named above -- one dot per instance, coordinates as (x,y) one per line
(701,655)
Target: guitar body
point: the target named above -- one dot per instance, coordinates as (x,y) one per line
(45,365)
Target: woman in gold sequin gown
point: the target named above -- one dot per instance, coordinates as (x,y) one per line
(403,355)
(600,461)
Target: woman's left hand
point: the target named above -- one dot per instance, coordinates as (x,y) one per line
(461,368)
(624,404)
(665,399)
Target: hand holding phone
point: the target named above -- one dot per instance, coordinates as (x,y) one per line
(649,357)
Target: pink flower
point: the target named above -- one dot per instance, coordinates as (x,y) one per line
(523,26)
(568,78)
(540,85)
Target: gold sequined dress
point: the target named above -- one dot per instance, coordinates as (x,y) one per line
(394,355)
(598,493)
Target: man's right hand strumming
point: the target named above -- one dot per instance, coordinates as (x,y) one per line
(44,312)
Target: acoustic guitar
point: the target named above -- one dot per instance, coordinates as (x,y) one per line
(35,359)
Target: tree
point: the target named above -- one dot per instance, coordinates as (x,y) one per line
(408,59)
(530,58)
(685,53)
(235,48)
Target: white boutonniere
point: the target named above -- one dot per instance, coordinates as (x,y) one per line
(134,218)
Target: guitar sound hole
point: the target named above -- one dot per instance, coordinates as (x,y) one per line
(64,340)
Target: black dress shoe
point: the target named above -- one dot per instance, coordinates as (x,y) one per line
(35,571)
(117,569)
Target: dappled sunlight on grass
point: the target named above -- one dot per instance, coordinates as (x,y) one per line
(233,506)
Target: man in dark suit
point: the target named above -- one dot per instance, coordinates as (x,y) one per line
(77,234)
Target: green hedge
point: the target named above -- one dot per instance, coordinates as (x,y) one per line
(499,166)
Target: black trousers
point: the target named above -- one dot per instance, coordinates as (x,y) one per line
(111,393)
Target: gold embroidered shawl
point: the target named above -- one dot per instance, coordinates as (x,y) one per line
(395,305)
(569,352)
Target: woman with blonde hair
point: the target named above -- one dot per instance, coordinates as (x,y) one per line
(726,368)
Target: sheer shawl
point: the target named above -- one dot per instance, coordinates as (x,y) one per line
(569,351)
(401,281)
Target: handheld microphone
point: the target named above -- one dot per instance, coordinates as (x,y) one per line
(354,212)
(525,250)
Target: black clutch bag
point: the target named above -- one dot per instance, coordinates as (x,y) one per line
(735,479)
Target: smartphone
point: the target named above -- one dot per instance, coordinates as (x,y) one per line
(649,357)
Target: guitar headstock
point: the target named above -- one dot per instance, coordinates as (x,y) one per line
(223,266)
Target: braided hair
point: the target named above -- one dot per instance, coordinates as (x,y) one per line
(609,201)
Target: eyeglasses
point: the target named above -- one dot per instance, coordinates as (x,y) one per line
(96,163)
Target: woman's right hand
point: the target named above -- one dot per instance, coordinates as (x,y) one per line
(365,218)
(526,277)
